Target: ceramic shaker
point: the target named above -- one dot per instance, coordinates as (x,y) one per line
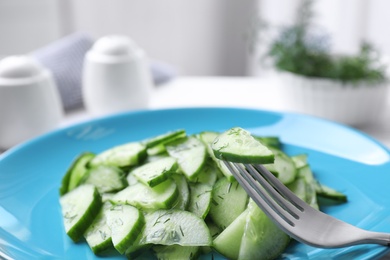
(30,104)
(116,76)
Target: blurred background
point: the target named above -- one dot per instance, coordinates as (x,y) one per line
(199,38)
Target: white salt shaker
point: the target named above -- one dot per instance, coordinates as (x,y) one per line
(116,76)
(30,103)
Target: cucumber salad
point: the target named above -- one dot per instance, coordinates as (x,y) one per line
(172,196)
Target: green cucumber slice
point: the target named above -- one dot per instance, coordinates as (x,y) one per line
(177,252)
(306,174)
(98,234)
(330,193)
(184,192)
(175,227)
(75,172)
(262,239)
(190,154)
(164,138)
(270,141)
(208,137)
(229,200)
(228,242)
(283,167)
(300,160)
(298,187)
(106,178)
(200,199)
(156,145)
(125,155)
(162,196)
(125,222)
(209,174)
(79,208)
(238,145)
(155,172)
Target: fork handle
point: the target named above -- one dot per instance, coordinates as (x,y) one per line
(370,237)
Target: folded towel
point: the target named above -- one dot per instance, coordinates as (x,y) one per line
(64,58)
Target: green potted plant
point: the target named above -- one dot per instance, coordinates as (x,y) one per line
(350,89)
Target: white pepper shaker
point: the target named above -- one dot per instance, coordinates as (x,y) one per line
(116,76)
(30,103)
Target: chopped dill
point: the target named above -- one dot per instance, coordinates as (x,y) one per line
(229,187)
(103,235)
(181,230)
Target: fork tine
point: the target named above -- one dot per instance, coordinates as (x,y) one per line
(279,186)
(259,195)
(275,189)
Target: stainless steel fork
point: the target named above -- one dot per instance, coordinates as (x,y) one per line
(294,216)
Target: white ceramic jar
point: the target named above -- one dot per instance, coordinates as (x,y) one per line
(30,104)
(116,76)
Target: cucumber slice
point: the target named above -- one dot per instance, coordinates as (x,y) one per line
(229,200)
(262,239)
(209,173)
(79,208)
(175,227)
(238,145)
(125,222)
(155,172)
(330,193)
(184,192)
(270,141)
(156,150)
(164,138)
(98,234)
(176,252)
(75,172)
(200,199)
(229,240)
(125,155)
(162,196)
(208,138)
(156,145)
(190,154)
(283,167)
(307,175)
(300,160)
(131,179)
(298,187)
(106,178)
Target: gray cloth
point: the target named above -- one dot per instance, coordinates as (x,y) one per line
(64,58)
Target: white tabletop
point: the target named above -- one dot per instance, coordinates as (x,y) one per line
(241,92)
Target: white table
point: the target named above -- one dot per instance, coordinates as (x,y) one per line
(242,92)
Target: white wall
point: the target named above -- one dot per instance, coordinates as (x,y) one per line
(26,25)
(201,37)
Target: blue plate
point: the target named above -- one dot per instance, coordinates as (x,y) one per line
(30,174)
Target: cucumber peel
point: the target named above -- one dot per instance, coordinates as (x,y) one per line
(125,222)
(78,214)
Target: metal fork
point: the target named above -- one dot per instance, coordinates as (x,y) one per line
(294,216)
